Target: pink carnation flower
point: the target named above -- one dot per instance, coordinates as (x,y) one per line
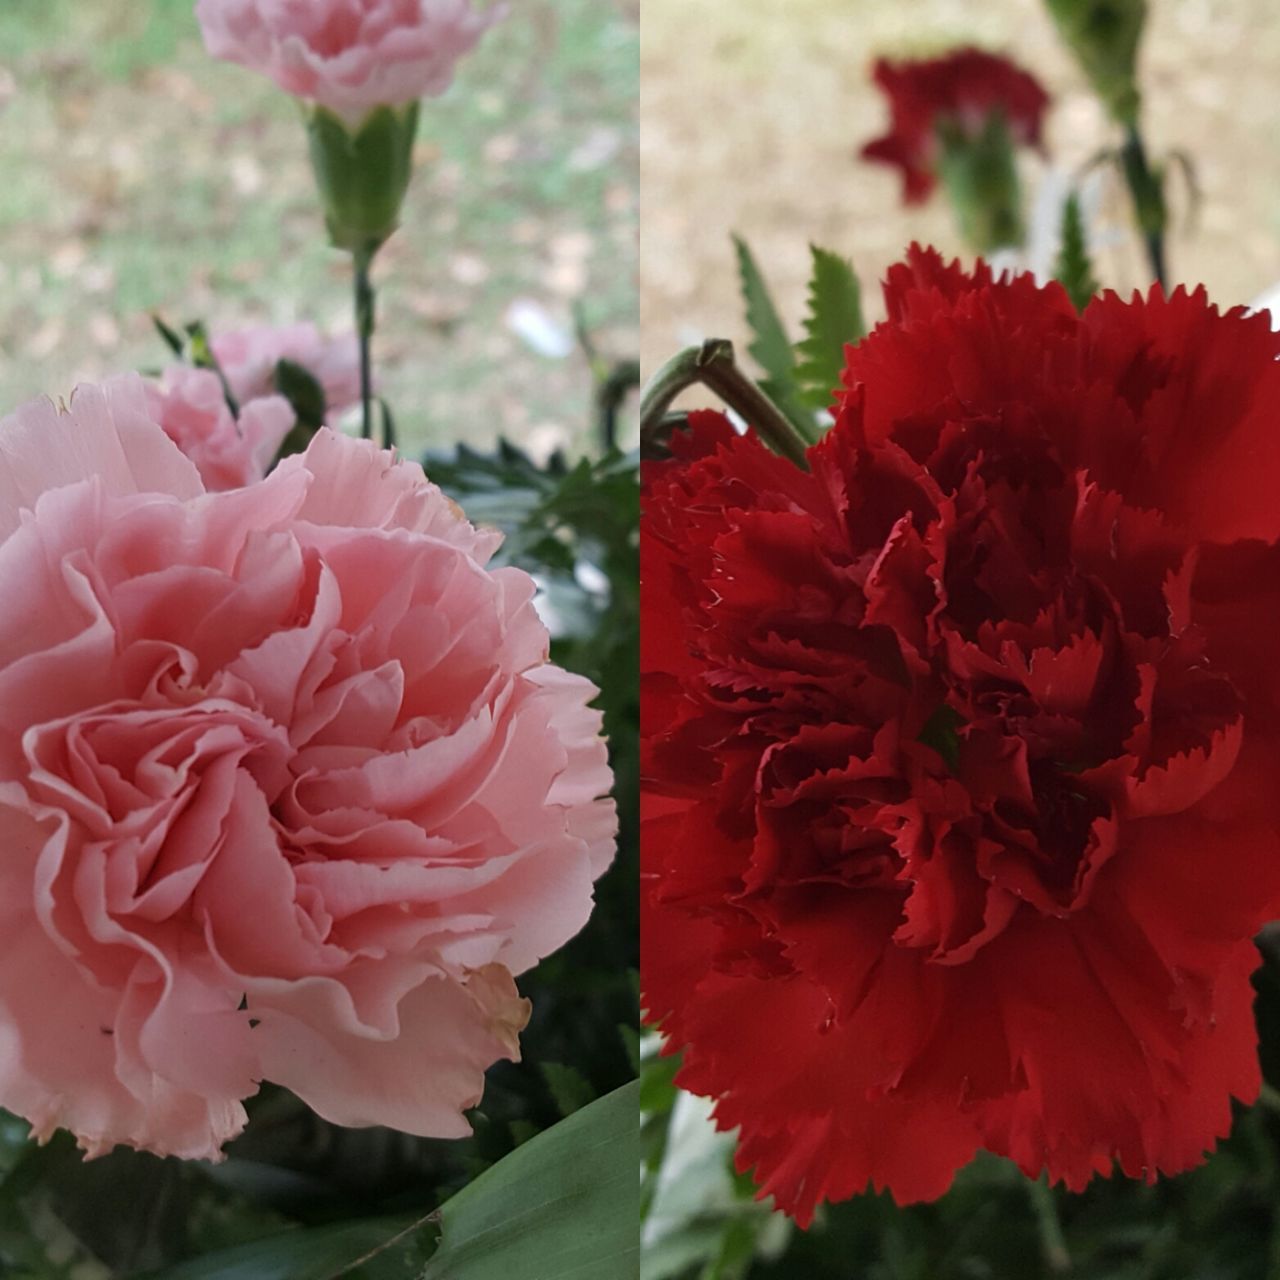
(288,787)
(248,358)
(191,406)
(350,56)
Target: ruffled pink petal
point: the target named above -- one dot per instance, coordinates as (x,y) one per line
(359,486)
(419,1080)
(68,1071)
(105,433)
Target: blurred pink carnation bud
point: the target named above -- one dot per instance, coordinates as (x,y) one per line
(289,789)
(248,358)
(350,56)
(228,452)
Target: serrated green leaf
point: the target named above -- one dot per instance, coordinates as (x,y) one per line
(834,319)
(1074,268)
(770,347)
(566,1204)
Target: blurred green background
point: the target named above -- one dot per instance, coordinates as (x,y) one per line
(141,175)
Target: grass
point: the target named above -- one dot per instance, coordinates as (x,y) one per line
(142,175)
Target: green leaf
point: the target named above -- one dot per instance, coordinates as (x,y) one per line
(564,1205)
(568,1087)
(391,1246)
(942,734)
(172,338)
(199,351)
(1073,267)
(631,1040)
(834,319)
(770,346)
(300,388)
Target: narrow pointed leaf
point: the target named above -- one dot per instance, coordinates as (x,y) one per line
(770,347)
(1073,268)
(172,339)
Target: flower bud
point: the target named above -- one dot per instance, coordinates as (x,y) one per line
(362,172)
(1104,36)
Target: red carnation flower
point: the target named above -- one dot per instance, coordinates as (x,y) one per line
(961,90)
(957,801)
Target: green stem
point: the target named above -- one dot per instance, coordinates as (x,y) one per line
(1147,189)
(1052,1241)
(365,300)
(712,365)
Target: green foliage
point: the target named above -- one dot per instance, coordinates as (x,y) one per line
(562,1206)
(192,346)
(307,398)
(374,1249)
(699,1218)
(301,389)
(1074,269)
(770,346)
(834,320)
(941,732)
(570,1089)
(799,379)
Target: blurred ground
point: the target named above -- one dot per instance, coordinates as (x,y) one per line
(139,174)
(752,112)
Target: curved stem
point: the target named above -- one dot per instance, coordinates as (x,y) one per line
(364,301)
(712,365)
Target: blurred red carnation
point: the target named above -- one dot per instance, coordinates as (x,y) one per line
(962,89)
(958,746)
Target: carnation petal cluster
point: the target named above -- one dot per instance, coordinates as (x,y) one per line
(289,790)
(958,745)
(349,56)
(228,450)
(962,89)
